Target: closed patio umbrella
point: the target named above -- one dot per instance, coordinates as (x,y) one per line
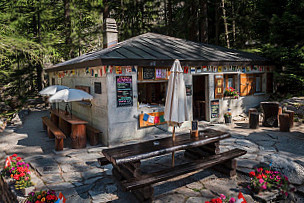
(176,102)
(70,95)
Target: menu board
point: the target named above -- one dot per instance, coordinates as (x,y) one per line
(188,90)
(124,91)
(194,125)
(215,107)
(148,73)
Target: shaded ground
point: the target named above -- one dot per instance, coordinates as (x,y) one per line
(77,174)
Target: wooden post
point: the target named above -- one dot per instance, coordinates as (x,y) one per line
(58,144)
(284,122)
(291,115)
(254,120)
(271,112)
(173,138)
(251,110)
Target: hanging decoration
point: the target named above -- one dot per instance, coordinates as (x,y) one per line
(192,70)
(204,68)
(186,69)
(220,69)
(128,69)
(118,70)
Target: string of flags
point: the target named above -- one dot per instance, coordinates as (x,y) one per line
(153,119)
(220,69)
(96,71)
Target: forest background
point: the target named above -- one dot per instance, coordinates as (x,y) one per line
(35,34)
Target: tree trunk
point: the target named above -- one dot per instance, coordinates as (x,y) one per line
(225,24)
(233,23)
(105,10)
(170,30)
(68,29)
(203,21)
(217,22)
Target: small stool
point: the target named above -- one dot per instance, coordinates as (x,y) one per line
(284,122)
(254,120)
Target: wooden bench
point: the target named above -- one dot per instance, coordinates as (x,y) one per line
(93,135)
(54,132)
(225,158)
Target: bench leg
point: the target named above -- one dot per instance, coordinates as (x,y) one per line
(58,144)
(49,132)
(144,194)
(202,151)
(227,168)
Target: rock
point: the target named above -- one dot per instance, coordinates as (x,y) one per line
(96,172)
(170,198)
(246,163)
(197,199)
(111,188)
(50,179)
(291,169)
(108,169)
(91,180)
(61,186)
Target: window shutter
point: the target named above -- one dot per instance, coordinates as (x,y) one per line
(269,84)
(243,85)
(218,86)
(251,84)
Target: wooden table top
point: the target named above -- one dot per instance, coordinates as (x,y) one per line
(68,118)
(136,152)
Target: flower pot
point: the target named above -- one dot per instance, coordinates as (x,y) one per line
(26,191)
(228,119)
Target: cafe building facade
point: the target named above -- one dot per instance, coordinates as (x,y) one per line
(128,81)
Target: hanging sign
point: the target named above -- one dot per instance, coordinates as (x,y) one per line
(161,73)
(124,91)
(148,73)
(215,107)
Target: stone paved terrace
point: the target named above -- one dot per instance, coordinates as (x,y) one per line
(78,176)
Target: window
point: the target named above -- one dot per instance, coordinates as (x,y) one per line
(230,81)
(250,84)
(152,93)
(258,83)
(97,87)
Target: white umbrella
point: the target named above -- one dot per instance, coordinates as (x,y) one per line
(176,101)
(70,95)
(51,90)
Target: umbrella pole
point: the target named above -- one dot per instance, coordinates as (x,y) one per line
(173,138)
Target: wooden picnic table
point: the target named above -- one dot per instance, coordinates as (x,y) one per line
(71,126)
(202,151)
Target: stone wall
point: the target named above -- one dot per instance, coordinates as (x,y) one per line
(6,194)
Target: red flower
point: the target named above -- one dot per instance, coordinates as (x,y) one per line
(14,155)
(267,172)
(259,176)
(18,158)
(217,200)
(252,174)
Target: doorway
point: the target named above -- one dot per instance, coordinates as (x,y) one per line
(199,97)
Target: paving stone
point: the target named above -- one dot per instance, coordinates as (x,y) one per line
(111,188)
(72,177)
(195,185)
(48,170)
(92,173)
(97,150)
(77,199)
(60,186)
(247,163)
(207,193)
(169,198)
(197,199)
(42,162)
(108,169)
(83,188)
(91,180)
(66,160)
(187,192)
(75,167)
(54,178)
(244,170)
(245,143)
(222,186)
(88,156)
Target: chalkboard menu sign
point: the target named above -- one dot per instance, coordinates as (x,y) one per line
(148,73)
(188,90)
(215,108)
(97,87)
(194,125)
(124,91)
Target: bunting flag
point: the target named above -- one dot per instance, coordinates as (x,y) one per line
(214,69)
(210,68)
(243,69)
(186,69)
(86,70)
(162,119)
(248,68)
(156,119)
(204,68)
(100,72)
(220,69)
(199,70)
(225,68)
(110,69)
(146,117)
(128,69)
(133,69)
(151,119)
(8,162)
(118,70)
(92,72)
(192,70)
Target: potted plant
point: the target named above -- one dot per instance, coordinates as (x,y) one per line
(42,196)
(231,92)
(228,117)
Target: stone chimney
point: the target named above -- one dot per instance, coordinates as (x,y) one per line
(110,36)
